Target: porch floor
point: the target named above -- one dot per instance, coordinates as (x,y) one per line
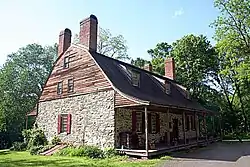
(166,149)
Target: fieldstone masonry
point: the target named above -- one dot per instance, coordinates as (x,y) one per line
(92,118)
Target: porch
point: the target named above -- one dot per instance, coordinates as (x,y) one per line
(151,130)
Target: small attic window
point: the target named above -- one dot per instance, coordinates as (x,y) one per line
(135,78)
(66,62)
(167,88)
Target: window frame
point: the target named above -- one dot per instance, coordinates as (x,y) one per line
(153,122)
(66,62)
(64,123)
(70,85)
(60,88)
(135,78)
(139,129)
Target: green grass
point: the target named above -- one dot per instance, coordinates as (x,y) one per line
(24,159)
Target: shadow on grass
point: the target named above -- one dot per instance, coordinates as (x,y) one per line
(4,152)
(47,162)
(221,151)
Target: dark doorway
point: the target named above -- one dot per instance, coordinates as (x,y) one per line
(174,136)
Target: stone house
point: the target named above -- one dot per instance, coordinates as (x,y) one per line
(93,99)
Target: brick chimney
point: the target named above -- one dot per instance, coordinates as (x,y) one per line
(64,41)
(88,32)
(170,68)
(148,67)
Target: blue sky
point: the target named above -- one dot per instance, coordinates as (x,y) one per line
(143,23)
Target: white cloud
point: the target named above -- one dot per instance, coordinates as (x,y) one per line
(178,12)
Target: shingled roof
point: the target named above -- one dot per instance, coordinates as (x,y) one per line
(151,89)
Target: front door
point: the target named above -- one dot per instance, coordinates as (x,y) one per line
(175,130)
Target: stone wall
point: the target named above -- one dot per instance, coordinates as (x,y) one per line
(92,118)
(123,123)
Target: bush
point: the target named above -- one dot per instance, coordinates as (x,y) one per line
(83,151)
(110,152)
(19,146)
(34,150)
(34,137)
(56,140)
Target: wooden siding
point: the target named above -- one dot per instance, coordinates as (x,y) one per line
(122,101)
(82,69)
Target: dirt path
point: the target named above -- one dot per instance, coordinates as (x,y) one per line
(224,154)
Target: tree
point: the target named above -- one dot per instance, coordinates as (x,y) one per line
(21,80)
(158,55)
(233,45)
(139,62)
(195,62)
(194,58)
(109,45)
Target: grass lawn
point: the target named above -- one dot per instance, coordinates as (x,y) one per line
(24,159)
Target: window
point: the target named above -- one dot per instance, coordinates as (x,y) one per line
(66,62)
(64,123)
(70,85)
(167,88)
(139,122)
(193,123)
(59,88)
(153,123)
(187,123)
(64,120)
(135,77)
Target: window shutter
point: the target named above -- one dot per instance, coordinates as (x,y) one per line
(59,122)
(149,123)
(143,122)
(68,123)
(157,123)
(134,121)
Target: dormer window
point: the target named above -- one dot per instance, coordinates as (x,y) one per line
(167,88)
(135,78)
(66,62)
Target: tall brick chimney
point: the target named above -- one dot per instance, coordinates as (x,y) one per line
(148,67)
(64,41)
(88,32)
(170,68)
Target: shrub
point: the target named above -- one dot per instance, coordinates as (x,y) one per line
(34,150)
(19,146)
(56,140)
(83,151)
(110,152)
(92,152)
(34,137)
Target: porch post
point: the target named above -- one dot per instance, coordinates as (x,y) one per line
(168,128)
(26,123)
(212,117)
(196,126)
(184,126)
(205,124)
(146,130)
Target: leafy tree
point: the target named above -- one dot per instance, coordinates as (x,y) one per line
(109,45)
(195,62)
(21,81)
(233,45)
(158,55)
(139,62)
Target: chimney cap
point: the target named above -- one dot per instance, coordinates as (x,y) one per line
(65,31)
(88,18)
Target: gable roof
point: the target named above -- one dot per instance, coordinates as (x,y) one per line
(150,89)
